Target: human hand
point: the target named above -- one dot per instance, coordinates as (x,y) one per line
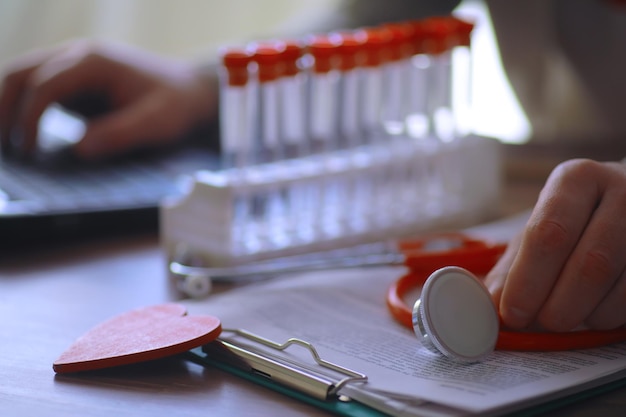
(567,268)
(151,100)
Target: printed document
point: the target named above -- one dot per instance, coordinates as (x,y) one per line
(343,314)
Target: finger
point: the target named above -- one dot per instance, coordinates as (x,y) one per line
(60,77)
(149,121)
(12,89)
(597,261)
(9,103)
(558,220)
(496,278)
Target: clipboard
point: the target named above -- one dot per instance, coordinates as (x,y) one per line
(286,377)
(315,300)
(318,389)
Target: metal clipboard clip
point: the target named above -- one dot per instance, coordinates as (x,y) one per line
(285,371)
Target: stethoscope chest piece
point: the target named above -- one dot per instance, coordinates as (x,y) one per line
(455,316)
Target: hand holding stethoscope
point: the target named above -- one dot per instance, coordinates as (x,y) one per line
(455,314)
(568,268)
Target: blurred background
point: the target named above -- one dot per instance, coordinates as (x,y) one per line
(194,29)
(182,28)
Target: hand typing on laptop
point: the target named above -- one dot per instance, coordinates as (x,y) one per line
(149,100)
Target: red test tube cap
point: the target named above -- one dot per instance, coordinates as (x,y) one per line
(267,57)
(289,56)
(439,34)
(376,41)
(236,61)
(400,43)
(417,36)
(349,50)
(324,52)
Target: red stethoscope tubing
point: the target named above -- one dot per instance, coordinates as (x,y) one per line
(479,261)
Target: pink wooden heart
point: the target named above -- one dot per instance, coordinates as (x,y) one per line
(139,335)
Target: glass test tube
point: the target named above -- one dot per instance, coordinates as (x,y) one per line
(419,126)
(374,43)
(395,111)
(267,58)
(395,78)
(323,104)
(322,94)
(439,34)
(235,119)
(460,104)
(438,37)
(375,47)
(292,84)
(292,101)
(236,141)
(417,121)
(270,205)
(350,53)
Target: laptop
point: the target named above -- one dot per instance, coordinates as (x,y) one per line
(55,198)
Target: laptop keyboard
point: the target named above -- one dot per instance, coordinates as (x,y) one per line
(62,184)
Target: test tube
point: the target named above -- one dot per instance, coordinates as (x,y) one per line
(236,142)
(267,58)
(349,52)
(350,134)
(459,42)
(395,97)
(292,100)
(437,175)
(420,126)
(375,42)
(323,113)
(235,116)
(438,38)
(270,204)
(417,120)
(322,93)
(396,71)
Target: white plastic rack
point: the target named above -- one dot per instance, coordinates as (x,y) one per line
(329,201)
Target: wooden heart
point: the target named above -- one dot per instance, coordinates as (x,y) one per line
(139,335)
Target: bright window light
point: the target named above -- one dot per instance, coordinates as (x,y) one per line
(495,110)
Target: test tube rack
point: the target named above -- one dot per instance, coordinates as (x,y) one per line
(324,202)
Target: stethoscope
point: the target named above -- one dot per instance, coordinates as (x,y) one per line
(192,278)
(455,315)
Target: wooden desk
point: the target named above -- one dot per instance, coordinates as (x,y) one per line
(48,300)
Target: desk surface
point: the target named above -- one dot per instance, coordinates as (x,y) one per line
(49,299)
